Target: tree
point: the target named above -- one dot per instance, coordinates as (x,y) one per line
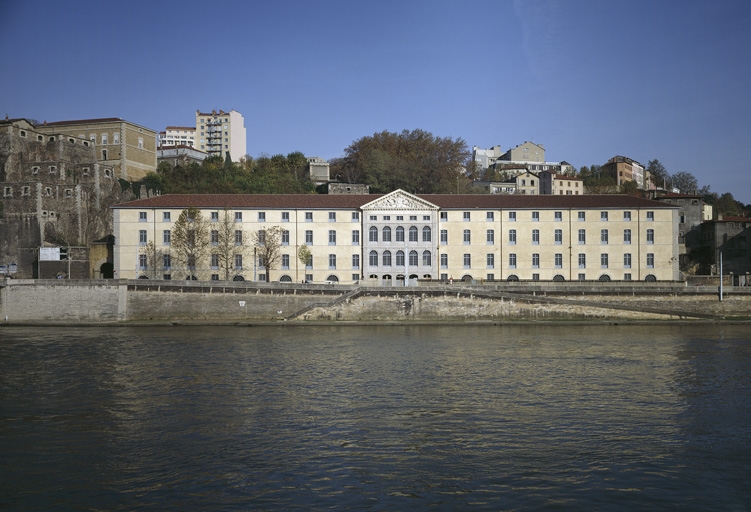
(416,161)
(685,182)
(726,205)
(657,173)
(228,242)
(190,240)
(268,244)
(304,255)
(154,259)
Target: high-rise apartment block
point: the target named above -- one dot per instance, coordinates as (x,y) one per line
(221,133)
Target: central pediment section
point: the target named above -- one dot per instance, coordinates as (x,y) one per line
(399,200)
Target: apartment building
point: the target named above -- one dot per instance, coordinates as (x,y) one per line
(623,169)
(178,136)
(560,184)
(125,147)
(221,133)
(400,237)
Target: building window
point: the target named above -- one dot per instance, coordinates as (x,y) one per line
(308,216)
(8,192)
(386,234)
(444,260)
(140,142)
(650,236)
(142,239)
(142,261)
(582,277)
(650,260)
(627,236)
(142,216)
(214,237)
(332,237)
(355,261)
(355,237)
(535,260)
(239,237)
(582,236)
(285,237)
(490,237)
(535,237)
(582,260)
(490,260)
(166,217)
(413,258)
(467,237)
(332,216)
(559,215)
(166,237)
(627,216)
(444,216)
(490,216)
(214,261)
(166,261)
(535,216)
(214,217)
(427,258)
(399,258)
(627,260)
(373,234)
(558,236)
(332,261)
(373,259)
(512,260)
(309,265)
(25,191)
(558,260)
(581,216)
(426,234)
(261,216)
(604,216)
(603,261)
(355,216)
(466,216)
(467,260)
(238,216)
(512,216)
(426,218)
(239,262)
(400,234)
(308,237)
(604,236)
(512,236)
(35,170)
(651,216)
(413,234)
(52,169)
(373,217)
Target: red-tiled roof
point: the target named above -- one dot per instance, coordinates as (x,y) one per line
(448,201)
(84,121)
(564,177)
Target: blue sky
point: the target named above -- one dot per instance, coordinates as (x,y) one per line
(588,79)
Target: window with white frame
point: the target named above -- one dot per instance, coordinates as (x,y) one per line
(650,260)
(490,236)
(214,217)
(582,260)
(214,237)
(581,216)
(239,262)
(627,236)
(214,261)
(490,260)
(386,234)
(386,258)
(332,237)
(604,216)
(426,234)
(466,217)
(285,261)
(308,237)
(373,234)
(399,258)
(308,216)
(413,234)
(535,260)
(332,216)
(627,216)
(603,260)
(512,216)
(142,216)
(444,260)
(604,236)
(332,261)
(558,216)
(373,259)
(535,237)
(355,216)
(512,236)
(166,237)
(467,236)
(261,216)
(400,234)
(650,216)
(239,237)
(285,237)
(627,260)
(142,238)
(285,216)
(490,216)
(355,237)
(650,236)
(558,237)
(355,261)
(512,260)
(536,216)
(413,258)
(558,260)
(582,236)
(467,260)
(444,236)
(427,258)
(238,216)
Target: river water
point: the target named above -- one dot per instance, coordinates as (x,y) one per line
(372,418)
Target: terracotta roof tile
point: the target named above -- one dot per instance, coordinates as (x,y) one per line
(448,201)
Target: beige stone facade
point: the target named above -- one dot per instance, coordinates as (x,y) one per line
(400,237)
(126,148)
(219,133)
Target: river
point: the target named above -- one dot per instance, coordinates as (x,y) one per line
(371,418)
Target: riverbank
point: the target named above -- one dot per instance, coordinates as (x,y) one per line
(55,302)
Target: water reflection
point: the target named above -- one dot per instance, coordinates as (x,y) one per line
(520,417)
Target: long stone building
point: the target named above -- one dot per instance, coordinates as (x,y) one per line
(399,237)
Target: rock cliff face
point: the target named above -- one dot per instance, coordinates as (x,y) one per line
(72,302)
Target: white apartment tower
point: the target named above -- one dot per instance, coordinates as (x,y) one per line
(220,133)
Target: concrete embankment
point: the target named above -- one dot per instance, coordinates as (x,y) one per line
(98,301)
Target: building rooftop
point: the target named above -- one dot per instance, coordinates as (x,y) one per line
(446,201)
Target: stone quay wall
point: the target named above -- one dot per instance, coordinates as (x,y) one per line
(138,301)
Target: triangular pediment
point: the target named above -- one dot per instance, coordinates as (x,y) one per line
(399,200)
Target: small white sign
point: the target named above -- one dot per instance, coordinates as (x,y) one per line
(49,254)
(242,303)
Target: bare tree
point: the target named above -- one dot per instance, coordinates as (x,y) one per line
(268,244)
(190,240)
(154,259)
(228,242)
